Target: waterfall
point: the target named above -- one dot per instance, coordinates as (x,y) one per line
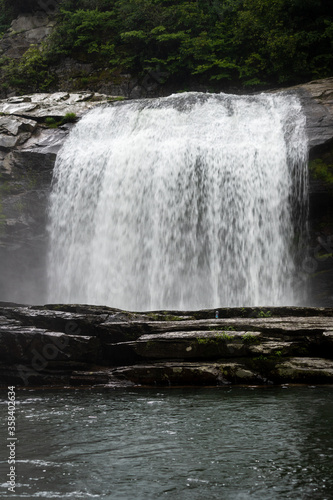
(185,202)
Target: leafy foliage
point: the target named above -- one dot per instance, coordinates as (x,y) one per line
(51,122)
(238,42)
(322,171)
(31,72)
(6,16)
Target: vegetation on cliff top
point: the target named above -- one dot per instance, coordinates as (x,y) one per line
(219,43)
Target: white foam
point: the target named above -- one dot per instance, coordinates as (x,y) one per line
(186,202)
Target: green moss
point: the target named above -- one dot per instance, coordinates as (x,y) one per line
(250,339)
(224,336)
(264,314)
(115,99)
(164,317)
(222,328)
(264,364)
(69,118)
(51,122)
(150,344)
(204,340)
(219,337)
(322,171)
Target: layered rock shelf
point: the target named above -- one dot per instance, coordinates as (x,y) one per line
(69,345)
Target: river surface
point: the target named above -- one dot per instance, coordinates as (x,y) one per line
(196,444)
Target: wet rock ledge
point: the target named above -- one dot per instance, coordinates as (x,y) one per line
(71,345)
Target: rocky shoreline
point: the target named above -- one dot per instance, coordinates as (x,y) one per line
(75,345)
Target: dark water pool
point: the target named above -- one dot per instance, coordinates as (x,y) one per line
(235,443)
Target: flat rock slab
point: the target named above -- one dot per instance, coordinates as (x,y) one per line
(295,370)
(199,345)
(39,348)
(305,369)
(172,373)
(271,324)
(38,106)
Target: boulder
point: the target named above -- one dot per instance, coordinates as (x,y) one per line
(41,347)
(309,370)
(13,125)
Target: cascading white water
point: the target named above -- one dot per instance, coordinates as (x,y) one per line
(185,202)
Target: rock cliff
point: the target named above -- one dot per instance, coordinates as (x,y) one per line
(317,100)
(28,149)
(26,30)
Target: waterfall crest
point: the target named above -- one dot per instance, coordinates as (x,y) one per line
(184,202)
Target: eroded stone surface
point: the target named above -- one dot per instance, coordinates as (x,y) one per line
(26,30)
(58,104)
(73,344)
(315,370)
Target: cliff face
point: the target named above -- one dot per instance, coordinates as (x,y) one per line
(317,100)
(28,149)
(26,30)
